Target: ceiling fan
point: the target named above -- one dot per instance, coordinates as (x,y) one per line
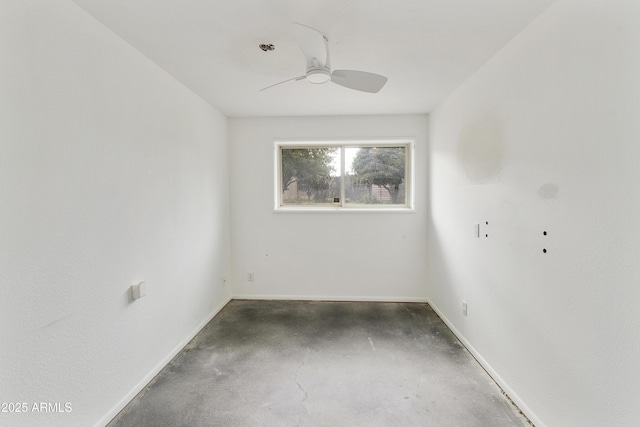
(316,50)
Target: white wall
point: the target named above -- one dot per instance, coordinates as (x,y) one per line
(111,172)
(322,255)
(546,137)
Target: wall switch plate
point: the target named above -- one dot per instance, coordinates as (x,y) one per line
(464,307)
(250,277)
(139,290)
(476,230)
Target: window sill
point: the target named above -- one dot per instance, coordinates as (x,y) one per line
(289,209)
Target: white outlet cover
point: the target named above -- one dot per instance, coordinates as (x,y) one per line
(139,290)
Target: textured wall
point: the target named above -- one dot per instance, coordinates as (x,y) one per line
(334,255)
(111,172)
(545,138)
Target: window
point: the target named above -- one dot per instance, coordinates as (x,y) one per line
(357,175)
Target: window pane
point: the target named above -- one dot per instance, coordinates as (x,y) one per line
(311,176)
(375,176)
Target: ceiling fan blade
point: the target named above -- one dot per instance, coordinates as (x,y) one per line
(312,43)
(359,80)
(288,80)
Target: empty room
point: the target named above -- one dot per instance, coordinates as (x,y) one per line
(319,213)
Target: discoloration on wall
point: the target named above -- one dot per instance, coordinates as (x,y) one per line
(481,150)
(549,191)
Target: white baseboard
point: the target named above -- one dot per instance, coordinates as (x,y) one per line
(330,298)
(487,367)
(156,369)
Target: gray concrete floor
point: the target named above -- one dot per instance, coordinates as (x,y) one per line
(295,363)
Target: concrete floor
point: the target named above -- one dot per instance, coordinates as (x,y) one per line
(294,363)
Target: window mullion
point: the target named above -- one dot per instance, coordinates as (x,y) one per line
(342,177)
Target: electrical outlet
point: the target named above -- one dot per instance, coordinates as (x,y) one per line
(464,308)
(250,277)
(139,290)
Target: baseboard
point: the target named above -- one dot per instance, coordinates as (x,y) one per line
(330,298)
(156,369)
(487,367)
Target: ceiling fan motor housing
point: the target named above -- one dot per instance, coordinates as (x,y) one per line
(318,75)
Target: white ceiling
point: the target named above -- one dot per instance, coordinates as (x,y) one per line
(426,48)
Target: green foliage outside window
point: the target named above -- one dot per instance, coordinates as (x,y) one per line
(381,166)
(309,168)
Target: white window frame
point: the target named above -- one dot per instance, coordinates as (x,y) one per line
(408,206)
